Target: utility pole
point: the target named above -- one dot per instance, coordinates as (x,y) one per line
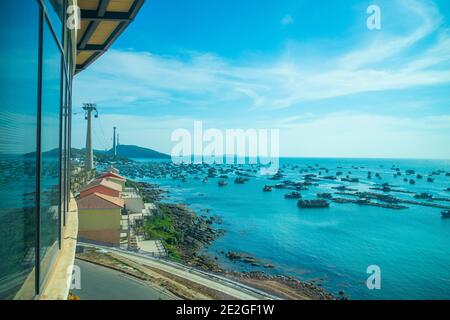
(114,143)
(88,109)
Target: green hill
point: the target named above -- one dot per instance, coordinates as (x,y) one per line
(123,151)
(130,151)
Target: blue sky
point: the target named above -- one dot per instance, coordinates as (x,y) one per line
(311,69)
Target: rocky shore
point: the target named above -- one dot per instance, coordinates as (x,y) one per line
(248,259)
(285,287)
(183,233)
(186,234)
(149,192)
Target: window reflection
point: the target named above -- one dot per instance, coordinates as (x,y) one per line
(18,121)
(55,13)
(50,135)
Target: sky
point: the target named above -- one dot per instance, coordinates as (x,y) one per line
(311,69)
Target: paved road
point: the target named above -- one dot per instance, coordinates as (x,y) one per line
(221,284)
(230,289)
(99,283)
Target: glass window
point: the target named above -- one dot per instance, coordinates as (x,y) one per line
(55,13)
(19,26)
(50,173)
(69,151)
(67,172)
(65,142)
(63,153)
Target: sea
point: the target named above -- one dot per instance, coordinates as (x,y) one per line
(337,248)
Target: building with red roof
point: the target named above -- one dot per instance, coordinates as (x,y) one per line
(102,186)
(99,218)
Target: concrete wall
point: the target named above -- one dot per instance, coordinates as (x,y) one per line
(103,237)
(135,204)
(100,225)
(59,280)
(102,190)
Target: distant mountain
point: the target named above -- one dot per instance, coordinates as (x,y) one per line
(130,151)
(54,153)
(124,151)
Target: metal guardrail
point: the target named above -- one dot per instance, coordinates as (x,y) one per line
(189,269)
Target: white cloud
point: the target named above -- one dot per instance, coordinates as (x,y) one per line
(384,46)
(350,134)
(338,134)
(205,79)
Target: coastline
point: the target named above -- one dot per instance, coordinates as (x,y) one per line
(187,235)
(327,247)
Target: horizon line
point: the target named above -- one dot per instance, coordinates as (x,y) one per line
(301,156)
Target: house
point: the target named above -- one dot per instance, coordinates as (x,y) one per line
(113,177)
(102,186)
(113,174)
(133,201)
(99,218)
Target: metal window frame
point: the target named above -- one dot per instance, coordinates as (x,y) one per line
(63,116)
(37,260)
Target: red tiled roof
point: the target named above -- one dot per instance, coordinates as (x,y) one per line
(97,201)
(117,201)
(113,175)
(103,182)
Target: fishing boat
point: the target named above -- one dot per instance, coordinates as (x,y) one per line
(445,214)
(240,180)
(222,183)
(325,195)
(293,195)
(267,189)
(313,204)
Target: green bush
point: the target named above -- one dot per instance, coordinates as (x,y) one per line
(160,226)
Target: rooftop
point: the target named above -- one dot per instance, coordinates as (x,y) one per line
(113,175)
(103,182)
(102,21)
(97,201)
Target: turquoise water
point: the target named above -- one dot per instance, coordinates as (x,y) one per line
(334,246)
